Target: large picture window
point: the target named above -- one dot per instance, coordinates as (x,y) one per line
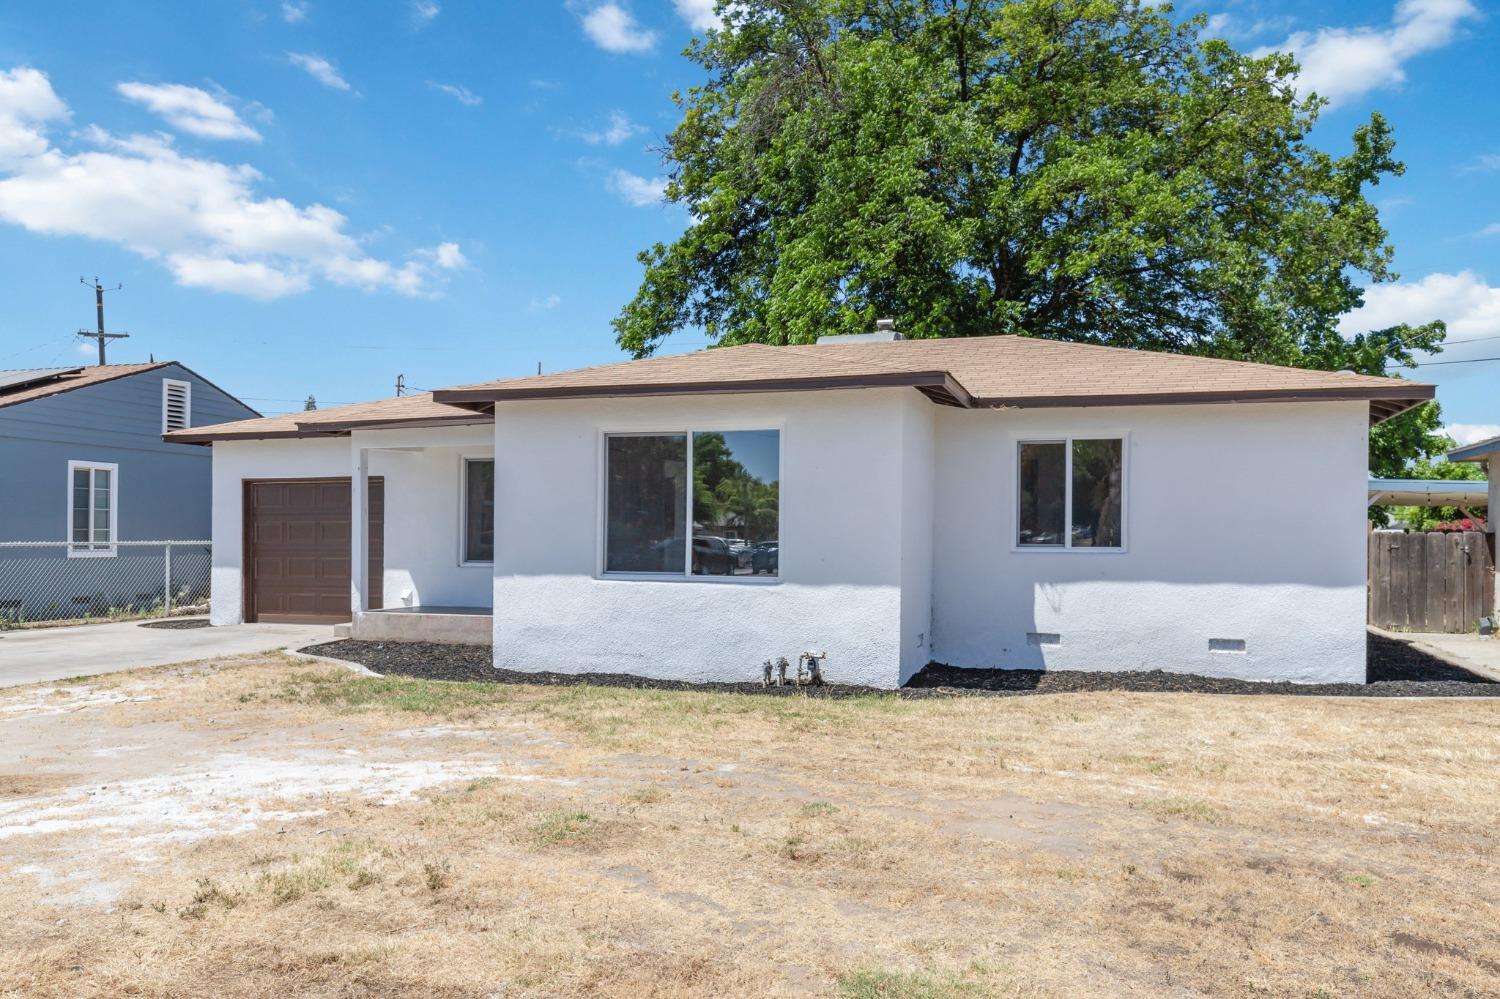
(479,510)
(92,513)
(1070,493)
(705,503)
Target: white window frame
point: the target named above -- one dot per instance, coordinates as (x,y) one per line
(686,576)
(1067,441)
(74,549)
(187,408)
(463,507)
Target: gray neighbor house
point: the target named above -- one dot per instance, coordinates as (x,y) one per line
(85,479)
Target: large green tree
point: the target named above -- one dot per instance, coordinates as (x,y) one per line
(1077,169)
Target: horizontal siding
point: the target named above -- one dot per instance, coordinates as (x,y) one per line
(124,413)
(164,489)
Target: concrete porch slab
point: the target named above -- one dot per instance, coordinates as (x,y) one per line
(448,625)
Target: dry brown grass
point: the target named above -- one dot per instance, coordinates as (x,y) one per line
(638,843)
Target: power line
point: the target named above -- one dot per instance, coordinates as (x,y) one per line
(1428,364)
(1472,339)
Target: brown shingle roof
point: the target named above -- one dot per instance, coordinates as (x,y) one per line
(73,379)
(408,410)
(995,371)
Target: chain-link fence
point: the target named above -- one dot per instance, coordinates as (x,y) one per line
(57,581)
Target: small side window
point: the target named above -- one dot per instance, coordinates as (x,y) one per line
(176,405)
(479,510)
(93,493)
(1070,493)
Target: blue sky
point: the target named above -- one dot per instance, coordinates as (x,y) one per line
(310,197)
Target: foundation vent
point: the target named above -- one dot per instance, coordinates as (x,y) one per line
(1043,638)
(1231,646)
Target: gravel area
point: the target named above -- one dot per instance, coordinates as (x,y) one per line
(1395,670)
(178,623)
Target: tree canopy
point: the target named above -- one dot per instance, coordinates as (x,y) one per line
(1086,170)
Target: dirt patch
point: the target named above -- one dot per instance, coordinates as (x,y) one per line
(1395,670)
(276,827)
(178,624)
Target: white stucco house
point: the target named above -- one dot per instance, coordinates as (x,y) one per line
(984,502)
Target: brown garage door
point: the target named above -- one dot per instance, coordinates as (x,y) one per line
(297,542)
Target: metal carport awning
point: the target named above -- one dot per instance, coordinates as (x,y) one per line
(1428,492)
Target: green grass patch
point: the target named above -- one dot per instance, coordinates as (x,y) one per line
(564,828)
(880,984)
(1184,808)
(340,691)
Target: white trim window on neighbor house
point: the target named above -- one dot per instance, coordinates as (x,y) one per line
(1071,494)
(93,508)
(733,505)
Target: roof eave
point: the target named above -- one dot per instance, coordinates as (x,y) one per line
(388,424)
(1384,404)
(207,436)
(941,386)
(1478,451)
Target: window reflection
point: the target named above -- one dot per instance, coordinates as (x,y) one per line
(1043,488)
(736,503)
(479,510)
(646,504)
(1097,468)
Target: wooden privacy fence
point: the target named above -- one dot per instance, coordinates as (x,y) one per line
(1440,582)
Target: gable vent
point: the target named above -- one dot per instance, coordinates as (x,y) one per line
(176,404)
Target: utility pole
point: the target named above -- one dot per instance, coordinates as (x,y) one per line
(400,386)
(100,335)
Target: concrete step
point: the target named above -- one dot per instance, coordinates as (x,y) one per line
(342,630)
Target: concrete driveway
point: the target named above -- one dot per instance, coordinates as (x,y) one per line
(43,654)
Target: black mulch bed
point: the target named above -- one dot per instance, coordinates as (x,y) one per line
(178,623)
(1395,670)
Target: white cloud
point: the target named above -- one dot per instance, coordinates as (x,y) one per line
(1469,306)
(1471,433)
(294,11)
(189,109)
(699,14)
(448,256)
(637,191)
(27,104)
(458,92)
(319,69)
(614,29)
(1344,63)
(425,10)
(544,304)
(204,220)
(253,279)
(1485,161)
(619,129)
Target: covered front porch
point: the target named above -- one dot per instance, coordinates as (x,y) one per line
(434,538)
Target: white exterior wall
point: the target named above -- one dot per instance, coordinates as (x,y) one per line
(1242,522)
(422,526)
(845,557)
(918,509)
(423,530)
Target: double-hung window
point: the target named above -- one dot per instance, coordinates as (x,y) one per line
(93,508)
(702,503)
(478,510)
(1071,493)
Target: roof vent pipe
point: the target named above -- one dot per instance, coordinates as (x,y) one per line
(885,332)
